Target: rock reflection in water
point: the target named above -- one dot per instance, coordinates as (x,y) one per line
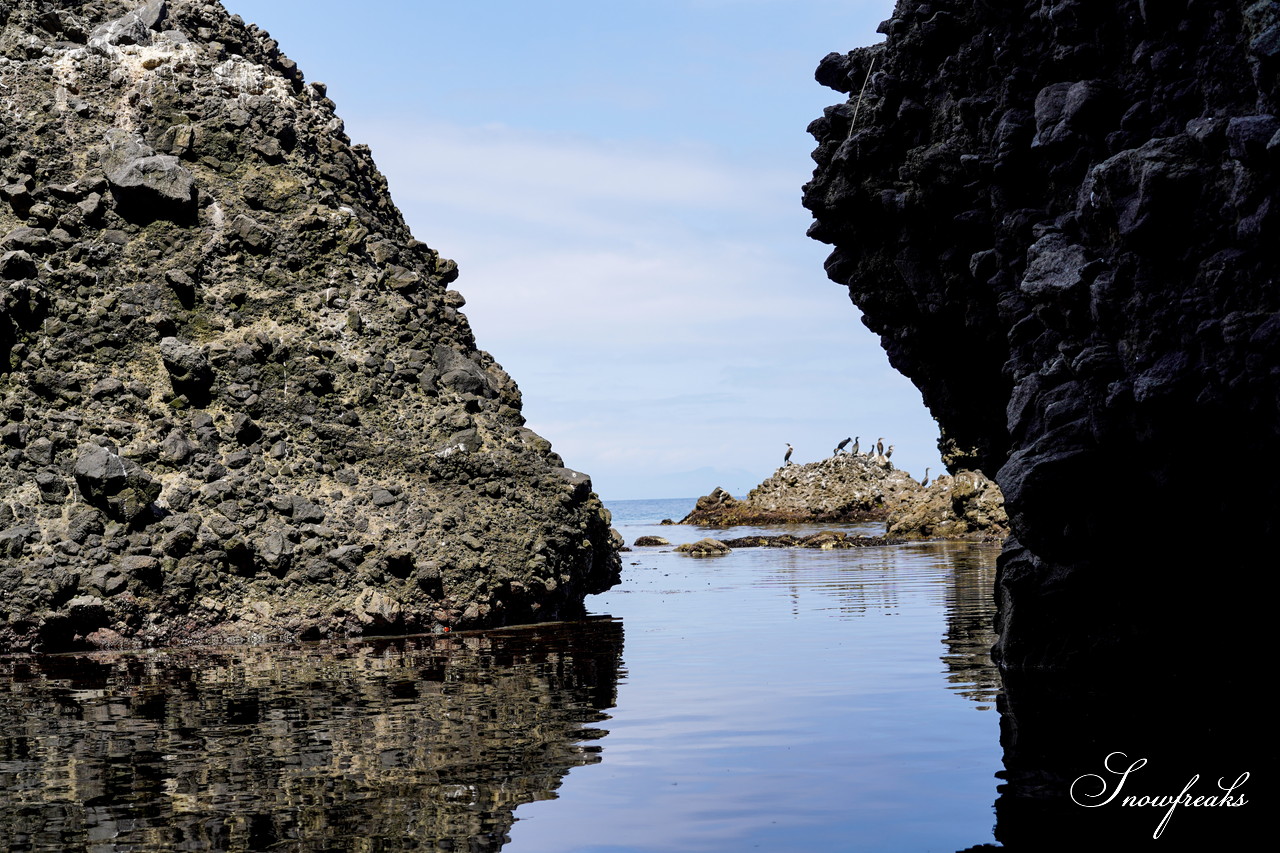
(409,744)
(970,622)
(883,579)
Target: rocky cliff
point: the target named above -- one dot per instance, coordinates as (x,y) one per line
(1061,219)
(236,395)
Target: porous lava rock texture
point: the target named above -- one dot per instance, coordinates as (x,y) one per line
(840,488)
(1061,218)
(237,399)
(966,506)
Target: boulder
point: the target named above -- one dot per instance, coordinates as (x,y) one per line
(148,186)
(703,548)
(118,486)
(966,506)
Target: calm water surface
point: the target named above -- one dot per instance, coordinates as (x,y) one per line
(773,699)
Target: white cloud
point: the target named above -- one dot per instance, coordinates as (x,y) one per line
(583,188)
(659,307)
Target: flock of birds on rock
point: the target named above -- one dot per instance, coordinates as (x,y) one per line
(876,453)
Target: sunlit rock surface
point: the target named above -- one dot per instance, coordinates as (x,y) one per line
(853,488)
(966,506)
(840,488)
(237,398)
(1060,217)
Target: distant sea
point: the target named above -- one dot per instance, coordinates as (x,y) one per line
(786,699)
(651,511)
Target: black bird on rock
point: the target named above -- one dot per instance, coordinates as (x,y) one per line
(841,446)
(786,460)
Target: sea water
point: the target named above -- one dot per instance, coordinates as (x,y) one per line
(788,699)
(773,699)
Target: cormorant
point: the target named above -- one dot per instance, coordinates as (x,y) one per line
(856,440)
(786,460)
(879,447)
(888,452)
(841,446)
(925,481)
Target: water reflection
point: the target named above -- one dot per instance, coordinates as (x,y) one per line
(959,576)
(409,744)
(970,630)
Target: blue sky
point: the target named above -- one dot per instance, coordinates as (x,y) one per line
(620,186)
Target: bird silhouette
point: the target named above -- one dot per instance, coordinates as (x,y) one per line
(786,460)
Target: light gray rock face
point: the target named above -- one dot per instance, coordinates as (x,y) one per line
(966,506)
(840,488)
(237,397)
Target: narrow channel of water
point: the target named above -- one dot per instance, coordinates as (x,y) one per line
(774,699)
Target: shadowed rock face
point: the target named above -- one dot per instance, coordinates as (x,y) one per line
(1061,219)
(236,395)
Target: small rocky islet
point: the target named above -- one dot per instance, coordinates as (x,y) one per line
(238,399)
(850,488)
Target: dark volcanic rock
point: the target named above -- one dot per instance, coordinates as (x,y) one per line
(825,540)
(1061,219)
(147,185)
(117,485)
(237,398)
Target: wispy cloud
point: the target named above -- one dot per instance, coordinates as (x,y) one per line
(659,306)
(584,187)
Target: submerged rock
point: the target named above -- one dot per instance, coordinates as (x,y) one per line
(237,397)
(703,548)
(825,540)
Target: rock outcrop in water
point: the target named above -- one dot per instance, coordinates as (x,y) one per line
(237,398)
(839,488)
(852,488)
(1061,219)
(966,506)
